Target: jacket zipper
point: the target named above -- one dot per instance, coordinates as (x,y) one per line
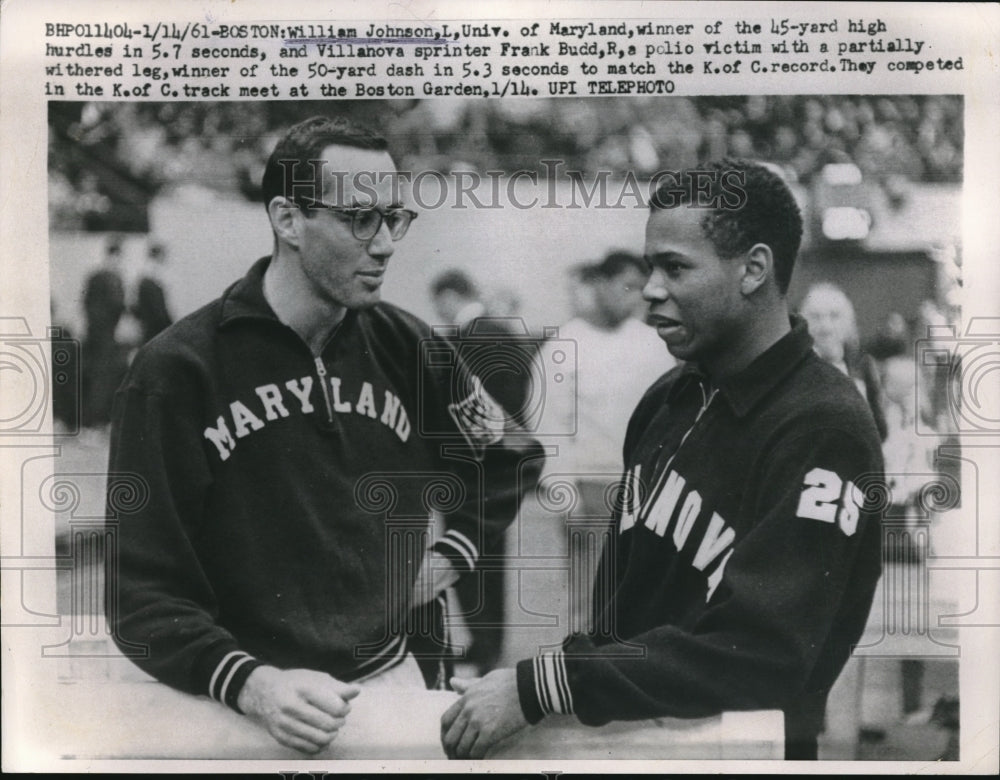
(321,370)
(706,399)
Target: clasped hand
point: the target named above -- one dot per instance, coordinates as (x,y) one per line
(300,708)
(488,712)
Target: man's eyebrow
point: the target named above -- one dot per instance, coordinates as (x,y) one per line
(662,257)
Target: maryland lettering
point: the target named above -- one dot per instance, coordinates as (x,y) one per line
(275,402)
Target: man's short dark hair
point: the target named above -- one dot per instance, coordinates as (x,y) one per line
(750,204)
(288,168)
(456,281)
(616,263)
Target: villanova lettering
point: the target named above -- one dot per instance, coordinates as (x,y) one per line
(676,509)
(274,402)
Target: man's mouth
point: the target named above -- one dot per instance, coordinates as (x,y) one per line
(374,277)
(664,325)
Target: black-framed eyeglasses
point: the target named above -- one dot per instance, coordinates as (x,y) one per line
(366,221)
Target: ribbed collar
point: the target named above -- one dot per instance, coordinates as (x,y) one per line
(246,298)
(744,389)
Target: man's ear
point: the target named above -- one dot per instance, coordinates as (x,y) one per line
(286,219)
(758,266)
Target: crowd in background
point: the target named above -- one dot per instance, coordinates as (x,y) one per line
(121,314)
(102,153)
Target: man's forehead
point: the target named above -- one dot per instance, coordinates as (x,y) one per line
(353,157)
(682,215)
(678,224)
(352,174)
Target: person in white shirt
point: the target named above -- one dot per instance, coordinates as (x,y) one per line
(618,357)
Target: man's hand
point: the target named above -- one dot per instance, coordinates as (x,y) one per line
(488,712)
(435,575)
(300,708)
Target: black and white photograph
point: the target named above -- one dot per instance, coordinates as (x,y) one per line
(599,387)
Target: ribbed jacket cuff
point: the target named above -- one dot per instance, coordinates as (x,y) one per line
(222,671)
(526,691)
(459,549)
(543,686)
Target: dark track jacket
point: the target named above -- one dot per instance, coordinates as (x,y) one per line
(743,559)
(286,497)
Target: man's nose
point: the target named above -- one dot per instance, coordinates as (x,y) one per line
(381,244)
(655,288)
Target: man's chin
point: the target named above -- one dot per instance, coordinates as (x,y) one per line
(671,337)
(366,300)
(681,350)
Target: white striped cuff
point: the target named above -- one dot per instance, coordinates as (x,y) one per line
(463,545)
(391,656)
(552,683)
(224,673)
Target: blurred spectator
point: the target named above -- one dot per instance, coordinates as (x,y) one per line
(150,305)
(910,464)
(455,298)
(64,369)
(935,408)
(92,205)
(503,302)
(582,298)
(113,259)
(618,282)
(104,360)
(830,315)
(909,452)
(618,358)
(499,351)
(892,339)
(457,301)
(941,388)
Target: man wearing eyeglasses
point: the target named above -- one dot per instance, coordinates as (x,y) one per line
(293,439)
